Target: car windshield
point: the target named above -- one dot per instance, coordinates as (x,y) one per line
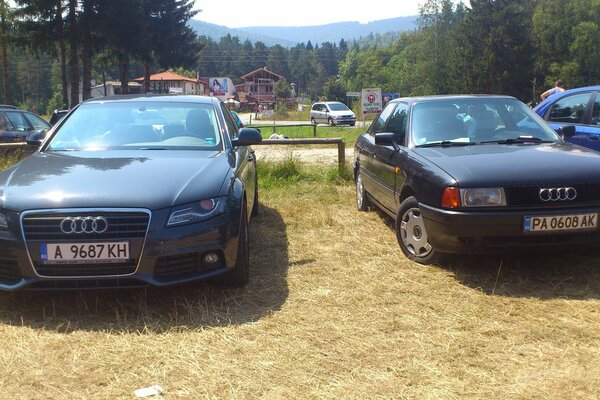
(476,121)
(139,125)
(338,107)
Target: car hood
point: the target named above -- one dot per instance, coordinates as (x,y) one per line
(516,165)
(148,179)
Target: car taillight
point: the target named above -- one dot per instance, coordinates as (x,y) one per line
(451,197)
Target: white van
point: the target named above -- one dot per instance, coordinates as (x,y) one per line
(332,113)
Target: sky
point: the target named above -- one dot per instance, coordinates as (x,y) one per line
(243,13)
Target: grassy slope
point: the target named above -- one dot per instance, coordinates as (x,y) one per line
(333,311)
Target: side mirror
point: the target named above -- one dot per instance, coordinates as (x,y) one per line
(567,132)
(386,139)
(35,138)
(247,137)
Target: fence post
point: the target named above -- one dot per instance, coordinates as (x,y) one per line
(341,154)
(314,130)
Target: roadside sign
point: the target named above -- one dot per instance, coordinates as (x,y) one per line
(352,94)
(371,101)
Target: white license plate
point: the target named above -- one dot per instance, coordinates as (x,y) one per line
(82,253)
(561,223)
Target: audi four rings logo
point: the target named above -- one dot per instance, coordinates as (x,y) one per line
(558,194)
(84,225)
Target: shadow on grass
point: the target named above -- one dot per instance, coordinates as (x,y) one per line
(544,275)
(568,275)
(189,307)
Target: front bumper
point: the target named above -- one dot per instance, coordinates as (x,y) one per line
(500,232)
(165,256)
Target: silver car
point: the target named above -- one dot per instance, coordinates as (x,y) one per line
(332,113)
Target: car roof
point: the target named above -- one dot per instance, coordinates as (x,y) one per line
(419,99)
(8,106)
(151,98)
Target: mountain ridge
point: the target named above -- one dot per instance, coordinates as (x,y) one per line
(290,36)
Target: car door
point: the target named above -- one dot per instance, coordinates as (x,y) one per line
(245,161)
(577,110)
(374,170)
(387,161)
(321,113)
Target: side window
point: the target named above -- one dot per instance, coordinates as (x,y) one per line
(380,122)
(596,111)
(397,122)
(4,124)
(570,109)
(18,121)
(37,122)
(231,126)
(316,107)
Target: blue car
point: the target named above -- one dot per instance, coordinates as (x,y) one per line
(578,107)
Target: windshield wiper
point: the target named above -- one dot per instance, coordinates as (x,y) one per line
(446,143)
(520,139)
(152,148)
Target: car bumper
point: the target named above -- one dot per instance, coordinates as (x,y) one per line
(168,256)
(501,232)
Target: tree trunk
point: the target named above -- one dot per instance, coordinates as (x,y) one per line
(62,54)
(4,45)
(86,58)
(74,61)
(124,74)
(5,86)
(146,78)
(86,53)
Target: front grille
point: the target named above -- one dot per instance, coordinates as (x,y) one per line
(182,266)
(86,269)
(46,226)
(91,284)
(9,272)
(528,196)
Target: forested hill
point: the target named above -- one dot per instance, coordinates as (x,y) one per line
(289,36)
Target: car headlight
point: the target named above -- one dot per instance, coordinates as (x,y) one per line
(488,197)
(196,212)
(3,222)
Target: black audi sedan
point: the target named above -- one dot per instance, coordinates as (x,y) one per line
(130,191)
(477,175)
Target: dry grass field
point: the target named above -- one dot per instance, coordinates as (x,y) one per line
(333,311)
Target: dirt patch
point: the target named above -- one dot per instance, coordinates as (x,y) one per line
(316,155)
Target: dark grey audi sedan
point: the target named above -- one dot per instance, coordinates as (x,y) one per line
(130,191)
(476,175)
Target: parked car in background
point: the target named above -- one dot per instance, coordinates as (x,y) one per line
(16,125)
(579,108)
(57,115)
(332,113)
(113,199)
(477,175)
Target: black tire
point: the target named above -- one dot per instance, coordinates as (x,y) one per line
(254,211)
(330,122)
(362,201)
(411,234)
(352,123)
(312,121)
(240,274)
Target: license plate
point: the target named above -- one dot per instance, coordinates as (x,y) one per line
(561,223)
(84,253)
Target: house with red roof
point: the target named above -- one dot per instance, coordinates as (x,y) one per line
(171,82)
(260,84)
